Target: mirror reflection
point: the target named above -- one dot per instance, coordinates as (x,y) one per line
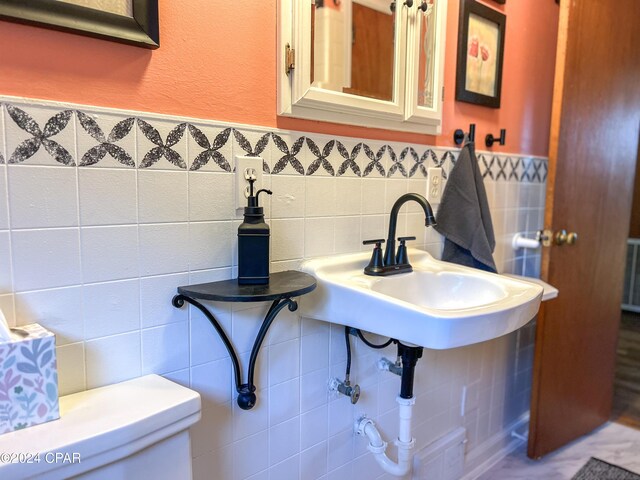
(353,47)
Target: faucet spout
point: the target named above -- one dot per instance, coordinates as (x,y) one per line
(429,220)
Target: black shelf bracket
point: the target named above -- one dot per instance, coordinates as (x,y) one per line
(281,290)
(246,391)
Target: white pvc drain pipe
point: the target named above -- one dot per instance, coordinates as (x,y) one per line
(405,442)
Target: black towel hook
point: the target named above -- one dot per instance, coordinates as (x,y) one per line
(489,140)
(458,135)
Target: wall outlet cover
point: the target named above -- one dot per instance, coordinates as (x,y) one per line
(434,185)
(247,167)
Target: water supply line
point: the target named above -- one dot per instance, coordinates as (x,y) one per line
(405,442)
(344,387)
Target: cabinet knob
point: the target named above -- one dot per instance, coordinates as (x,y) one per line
(424,6)
(408,3)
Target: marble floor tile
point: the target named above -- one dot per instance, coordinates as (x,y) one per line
(613,443)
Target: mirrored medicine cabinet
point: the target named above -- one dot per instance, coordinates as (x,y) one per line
(373,63)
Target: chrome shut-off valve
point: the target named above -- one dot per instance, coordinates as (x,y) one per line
(346,389)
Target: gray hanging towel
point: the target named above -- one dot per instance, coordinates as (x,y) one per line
(464,218)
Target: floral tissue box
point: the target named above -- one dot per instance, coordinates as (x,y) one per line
(28,379)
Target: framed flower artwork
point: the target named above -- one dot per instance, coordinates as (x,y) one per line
(480,54)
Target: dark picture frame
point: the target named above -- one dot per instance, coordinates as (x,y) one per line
(481,39)
(141,30)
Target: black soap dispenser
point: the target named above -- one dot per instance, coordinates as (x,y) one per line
(253,243)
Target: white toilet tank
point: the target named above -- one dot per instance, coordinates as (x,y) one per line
(137,429)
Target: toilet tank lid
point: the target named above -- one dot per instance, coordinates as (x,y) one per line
(122,418)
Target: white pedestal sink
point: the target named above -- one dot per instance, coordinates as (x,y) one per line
(439,305)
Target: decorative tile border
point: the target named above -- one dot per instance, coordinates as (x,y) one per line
(39,137)
(107,143)
(159,141)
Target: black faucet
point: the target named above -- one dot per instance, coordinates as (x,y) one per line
(393,263)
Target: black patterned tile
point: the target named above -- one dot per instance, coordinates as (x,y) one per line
(540,170)
(21,121)
(163,148)
(396,162)
(107,143)
(514,168)
(104,138)
(446,162)
(502,164)
(259,150)
(288,156)
(431,155)
(527,170)
(245,145)
(320,157)
(375,160)
(349,159)
(536,167)
(486,166)
(416,162)
(211,149)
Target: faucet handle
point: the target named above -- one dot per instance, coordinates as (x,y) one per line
(376,264)
(401,257)
(377,241)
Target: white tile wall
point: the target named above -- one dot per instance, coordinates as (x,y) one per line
(4,215)
(111,308)
(45,258)
(6,283)
(162,196)
(112,359)
(43,197)
(108,196)
(60,309)
(109,253)
(164,248)
(105,288)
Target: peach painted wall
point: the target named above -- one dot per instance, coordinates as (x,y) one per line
(527,80)
(217,60)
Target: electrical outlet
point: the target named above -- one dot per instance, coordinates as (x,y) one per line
(434,185)
(247,167)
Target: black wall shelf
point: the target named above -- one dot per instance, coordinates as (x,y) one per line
(282,287)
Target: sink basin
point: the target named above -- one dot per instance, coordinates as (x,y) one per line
(439,305)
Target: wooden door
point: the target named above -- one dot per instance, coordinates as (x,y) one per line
(372,53)
(592,155)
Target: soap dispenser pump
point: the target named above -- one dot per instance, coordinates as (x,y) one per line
(253,242)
